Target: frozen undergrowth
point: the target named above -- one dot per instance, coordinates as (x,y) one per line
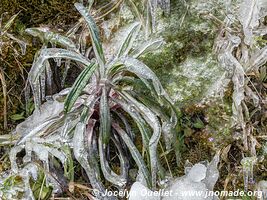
(241,54)
(33,141)
(198,178)
(95,115)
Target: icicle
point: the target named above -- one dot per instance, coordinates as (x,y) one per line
(42,85)
(65,73)
(28,170)
(247,164)
(49,76)
(27,97)
(13,157)
(36,90)
(82,42)
(168,136)
(165,5)
(28,149)
(58,61)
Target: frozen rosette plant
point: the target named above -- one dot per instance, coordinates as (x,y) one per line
(111,103)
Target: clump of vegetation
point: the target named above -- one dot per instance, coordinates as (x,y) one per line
(115,124)
(97,115)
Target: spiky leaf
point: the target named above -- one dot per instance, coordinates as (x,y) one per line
(78,86)
(38,66)
(105,121)
(129,40)
(48,36)
(94,33)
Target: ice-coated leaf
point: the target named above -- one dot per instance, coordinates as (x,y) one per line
(57,154)
(129,40)
(79,85)
(82,156)
(154,123)
(135,153)
(48,36)
(44,54)
(124,160)
(146,47)
(108,173)
(249,15)
(105,120)
(152,6)
(65,73)
(94,33)
(143,72)
(37,130)
(78,144)
(41,120)
(127,107)
(126,124)
(259,58)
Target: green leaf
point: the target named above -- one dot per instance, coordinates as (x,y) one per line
(78,86)
(94,33)
(198,124)
(129,40)
(17,117)
(9,23)
(105,121)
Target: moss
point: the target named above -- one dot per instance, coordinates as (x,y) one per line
(185,65)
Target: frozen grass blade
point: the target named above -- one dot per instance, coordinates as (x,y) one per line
(152,120)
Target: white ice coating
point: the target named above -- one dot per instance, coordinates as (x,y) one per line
(42,85)
(249,14)
(199,179)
